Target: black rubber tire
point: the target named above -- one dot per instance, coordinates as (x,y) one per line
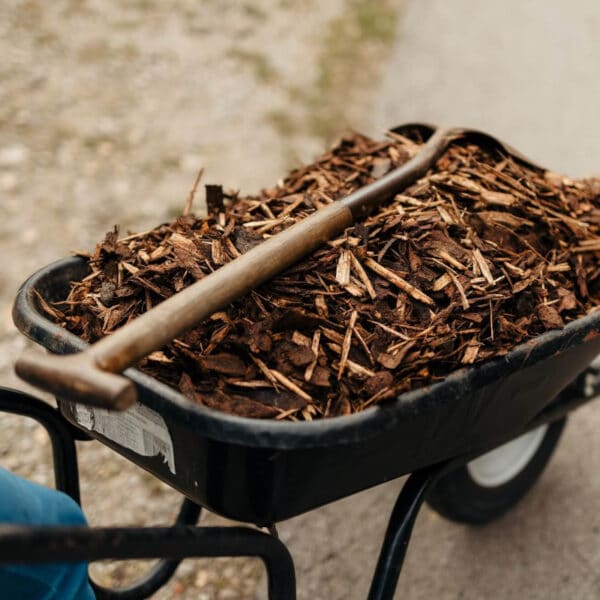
(457,497)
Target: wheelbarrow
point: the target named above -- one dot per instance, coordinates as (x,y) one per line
(474,443)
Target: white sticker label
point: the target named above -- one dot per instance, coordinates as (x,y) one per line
(138,428)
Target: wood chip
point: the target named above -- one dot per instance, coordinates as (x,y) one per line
(485,269)
(290,385)
(461,290)
(342,273)
(316,341)
(402,284)
(346,344)
(362,274)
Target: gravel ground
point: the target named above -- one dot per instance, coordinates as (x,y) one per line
(107,111)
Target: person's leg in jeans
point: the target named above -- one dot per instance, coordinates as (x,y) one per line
(26,503)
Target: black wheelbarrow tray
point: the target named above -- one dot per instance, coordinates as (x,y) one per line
(263,471)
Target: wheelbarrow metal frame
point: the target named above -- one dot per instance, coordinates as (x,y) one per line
(263,471)
(171,545)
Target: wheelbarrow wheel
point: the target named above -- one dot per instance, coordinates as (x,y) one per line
(488,486)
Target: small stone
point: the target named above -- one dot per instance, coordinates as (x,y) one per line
(13,156)
(178,588)
(230,571)
(9,182)
(29,236)
(202,578)
(40,435)
(186,569)
(106,148)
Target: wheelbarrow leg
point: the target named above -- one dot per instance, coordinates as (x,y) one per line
(399,530)
(62,435)
(170,545)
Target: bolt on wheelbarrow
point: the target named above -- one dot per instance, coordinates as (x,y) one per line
(263,472)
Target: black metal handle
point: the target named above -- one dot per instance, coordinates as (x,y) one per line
(62,435)
(23,544)
(159,574)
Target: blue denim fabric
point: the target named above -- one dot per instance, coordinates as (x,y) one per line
(26,503)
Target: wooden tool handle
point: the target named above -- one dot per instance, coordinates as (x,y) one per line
(90,377)
(76,377)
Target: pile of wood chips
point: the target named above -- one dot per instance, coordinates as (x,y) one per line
(481,254)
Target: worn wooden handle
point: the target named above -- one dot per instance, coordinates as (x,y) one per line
(89,377)
(76,377)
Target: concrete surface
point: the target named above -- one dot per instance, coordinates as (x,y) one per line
(528,72)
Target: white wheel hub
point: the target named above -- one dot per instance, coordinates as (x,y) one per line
(501,464)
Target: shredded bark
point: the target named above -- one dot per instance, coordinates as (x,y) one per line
(481,254)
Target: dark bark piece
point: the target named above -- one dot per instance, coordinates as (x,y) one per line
(245,240)
(228,364)
(237,405)
(549,316)
(214,199)
(568,301)
(378,382)
(298,355)
(107,293)
(283,400)
(320,377)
